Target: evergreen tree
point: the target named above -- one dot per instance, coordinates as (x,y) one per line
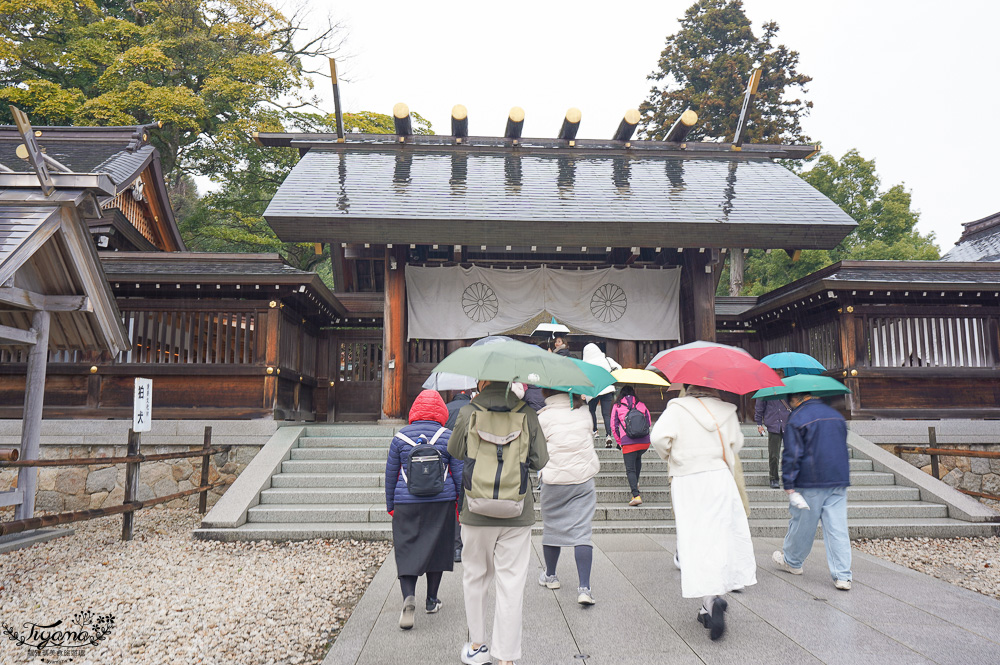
(706,66)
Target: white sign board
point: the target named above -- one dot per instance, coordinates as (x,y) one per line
(142,406)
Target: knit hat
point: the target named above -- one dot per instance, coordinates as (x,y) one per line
(429,406)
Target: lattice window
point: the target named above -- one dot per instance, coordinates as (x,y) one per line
(190,337)
(824,344)
(359,361)
(428,350)
(928,341)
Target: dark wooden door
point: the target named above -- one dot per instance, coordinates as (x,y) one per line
(356,372)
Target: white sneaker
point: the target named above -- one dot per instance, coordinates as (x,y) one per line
(843,585)
(406,615)
(585,597)
(480,656)
(549,581)
(779,560)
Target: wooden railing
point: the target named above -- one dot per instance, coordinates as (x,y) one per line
(133,459)
(935,453)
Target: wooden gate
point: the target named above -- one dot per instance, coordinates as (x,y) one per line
(356,374)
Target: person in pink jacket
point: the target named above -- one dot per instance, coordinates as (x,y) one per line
(632,448)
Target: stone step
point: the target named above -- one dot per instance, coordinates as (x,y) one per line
(379,442)
(759,528)
(610,463)
(331,510)
(612,469)
(350,429)
(616,487)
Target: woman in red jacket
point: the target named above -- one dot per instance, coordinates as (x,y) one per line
(632,448)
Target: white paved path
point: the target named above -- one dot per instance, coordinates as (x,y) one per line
(892,615)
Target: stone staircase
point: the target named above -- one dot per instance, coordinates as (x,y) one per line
(331,486)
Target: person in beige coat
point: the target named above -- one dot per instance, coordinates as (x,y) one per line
(699,436)
(566,486)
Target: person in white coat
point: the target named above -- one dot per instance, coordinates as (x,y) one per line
(606,398)
(567,492)
(699,435)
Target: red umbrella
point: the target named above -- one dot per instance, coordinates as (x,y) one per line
(719,367)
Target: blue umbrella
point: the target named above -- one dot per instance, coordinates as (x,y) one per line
(793,363)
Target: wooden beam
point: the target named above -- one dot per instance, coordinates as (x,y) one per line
(515,123)
(36,301)
(626,128)
(748,97)
(570,125)
(17,337)
(11,498)
(31,424)
(338,114)
(401,119)
(736,268)
(459,121)
(682,126)
(394,336)
(30,151)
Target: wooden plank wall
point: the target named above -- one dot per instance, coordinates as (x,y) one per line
(208,359)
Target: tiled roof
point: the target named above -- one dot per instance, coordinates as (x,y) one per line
(915,272)
(121,152)
(979,242)
(498,197)
(173,265)
(17,225)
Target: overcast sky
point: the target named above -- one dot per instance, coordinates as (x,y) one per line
(912,84)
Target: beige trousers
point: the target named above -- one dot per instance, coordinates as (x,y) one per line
(501,554)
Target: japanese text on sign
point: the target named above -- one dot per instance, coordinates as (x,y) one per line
(142,410)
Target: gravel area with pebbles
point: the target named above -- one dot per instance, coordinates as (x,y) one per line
(972,563)
(178,600)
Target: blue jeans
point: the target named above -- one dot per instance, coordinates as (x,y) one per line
(829,506)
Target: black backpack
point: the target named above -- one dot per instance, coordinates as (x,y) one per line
(636,423)
(426,470)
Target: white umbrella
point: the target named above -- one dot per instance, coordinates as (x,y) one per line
(449,381)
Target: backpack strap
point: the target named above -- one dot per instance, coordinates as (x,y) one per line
(406,439)
(437,435)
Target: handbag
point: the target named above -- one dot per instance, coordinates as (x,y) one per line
(736,468)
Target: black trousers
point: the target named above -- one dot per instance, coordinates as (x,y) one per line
(633,467)
(774,440)
(606,402)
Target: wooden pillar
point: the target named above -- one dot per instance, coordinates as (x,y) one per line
(271,355)
(394,336)
(321,394)
(698,294)
(31,425)
(628,353)
(849,353)
(736,269)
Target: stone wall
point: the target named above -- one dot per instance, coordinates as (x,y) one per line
(973,474)
(102,485)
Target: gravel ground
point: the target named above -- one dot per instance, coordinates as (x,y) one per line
(972,563)
(178,600)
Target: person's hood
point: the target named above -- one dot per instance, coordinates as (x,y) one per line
(557,401)
(592,354)
(429,406)
(717,411)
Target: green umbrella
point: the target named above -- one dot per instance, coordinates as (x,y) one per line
(515,361)
(820,386)
(599,377)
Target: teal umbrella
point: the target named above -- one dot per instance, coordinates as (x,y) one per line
(820,386)
(599,378)
(515,361)
(793,363)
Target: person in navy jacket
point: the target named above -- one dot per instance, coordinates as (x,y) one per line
(423,527)
(816,464)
